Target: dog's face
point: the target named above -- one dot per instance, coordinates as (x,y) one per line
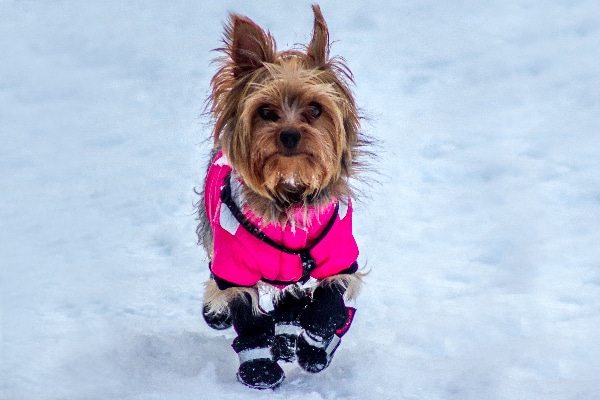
(286,120)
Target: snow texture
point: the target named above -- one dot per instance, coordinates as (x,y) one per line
(482,235)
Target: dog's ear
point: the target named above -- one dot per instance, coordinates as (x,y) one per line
(318,48)
(248,45)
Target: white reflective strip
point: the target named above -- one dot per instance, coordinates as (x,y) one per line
(343,210)
(287,329)
(314,342)
(329,344)
(333,344)
(266,294)
(221,161)
(310,284)
(227,220)
(255,354)
(236,191)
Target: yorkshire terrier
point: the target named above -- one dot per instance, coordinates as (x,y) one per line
(275,214)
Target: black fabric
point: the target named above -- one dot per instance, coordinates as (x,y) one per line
(290,307)
(351,269)
(217,320)
(223,284)
(242,343)
(327,311)
(284,347)
(313,359)
(261,374)
(287,311)
(246,322)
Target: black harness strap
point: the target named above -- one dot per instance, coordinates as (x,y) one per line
(308,263)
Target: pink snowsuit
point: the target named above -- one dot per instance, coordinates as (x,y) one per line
(243,259)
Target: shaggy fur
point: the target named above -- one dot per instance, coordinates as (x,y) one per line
(259,92)
(218,300)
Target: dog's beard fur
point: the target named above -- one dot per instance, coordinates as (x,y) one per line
(258,93)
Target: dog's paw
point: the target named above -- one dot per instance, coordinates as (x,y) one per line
(284,348)
(260,374)
(258,366)
(314,353)
(284,343)
(217,320)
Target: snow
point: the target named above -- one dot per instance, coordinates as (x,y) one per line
(482,235)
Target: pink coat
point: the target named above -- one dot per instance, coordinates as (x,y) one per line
(243,259)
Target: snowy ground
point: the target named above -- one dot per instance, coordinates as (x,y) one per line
(483,236)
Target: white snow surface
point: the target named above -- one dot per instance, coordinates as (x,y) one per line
(482,234)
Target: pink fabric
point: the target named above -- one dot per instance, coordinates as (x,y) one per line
(242,259)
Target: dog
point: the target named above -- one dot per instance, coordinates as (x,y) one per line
(276,211)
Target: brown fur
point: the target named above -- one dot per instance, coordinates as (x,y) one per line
(293,86)
(218,300)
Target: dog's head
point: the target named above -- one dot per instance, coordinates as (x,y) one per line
(286,120)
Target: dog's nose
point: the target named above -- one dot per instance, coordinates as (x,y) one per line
(290,139)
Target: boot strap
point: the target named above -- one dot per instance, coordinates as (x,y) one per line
(260,353)
(328,344)
(287,328)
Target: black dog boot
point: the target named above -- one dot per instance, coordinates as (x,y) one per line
(217,320)
(258,367)
(220,319)
(314,353)
(287,326)
(284,345)
(325,320)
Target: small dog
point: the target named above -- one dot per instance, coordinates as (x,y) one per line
(275,214)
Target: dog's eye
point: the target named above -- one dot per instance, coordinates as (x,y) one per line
(267,114)
(315,110)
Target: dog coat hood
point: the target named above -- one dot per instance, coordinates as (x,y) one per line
(242,258)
